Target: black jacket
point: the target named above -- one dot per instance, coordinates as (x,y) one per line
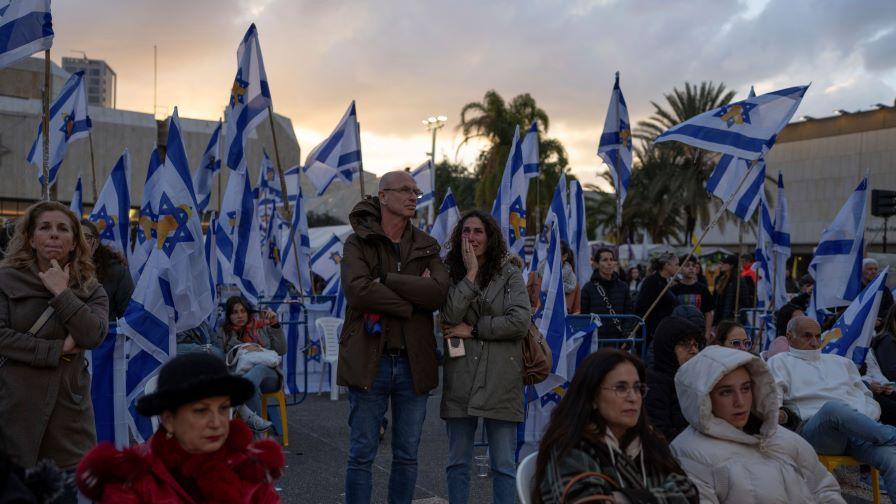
(727,298)
(650,289)
(661,402)
(119,286)
(620,299)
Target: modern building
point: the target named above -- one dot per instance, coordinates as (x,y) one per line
(100,80)
(25,79)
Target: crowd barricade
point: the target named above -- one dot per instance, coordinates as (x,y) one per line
(753,319)
(638,346)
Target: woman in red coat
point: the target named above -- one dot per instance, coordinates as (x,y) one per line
(198,454)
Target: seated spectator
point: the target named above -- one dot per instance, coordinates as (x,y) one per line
(730,334)
(689,291)
(838,411)
(198,339)
(676,341)
(599,444)
(606,294)
(734,450)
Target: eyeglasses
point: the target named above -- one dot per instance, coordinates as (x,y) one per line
(407,191)
(623,389)
(687,345)
(742,344)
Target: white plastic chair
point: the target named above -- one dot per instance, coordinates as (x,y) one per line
(151,384)
(525,475)
(328,328)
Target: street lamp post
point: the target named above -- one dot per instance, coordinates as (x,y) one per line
(434,124)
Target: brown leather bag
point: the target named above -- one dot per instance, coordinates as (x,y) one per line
(537,357)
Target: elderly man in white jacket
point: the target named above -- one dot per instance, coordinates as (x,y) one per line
(734,450)
(839,415)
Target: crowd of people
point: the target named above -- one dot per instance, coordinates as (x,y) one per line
(705,417)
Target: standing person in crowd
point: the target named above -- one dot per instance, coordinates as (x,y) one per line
(257,331)
(634,279)
(393,280)
(730,334)
(689,291)
(198,454)
(487,315)
(664,267)
(570,281)
(734,449)
(870,269)
(698,268)
(606,294)
(599,442)
(839,414)
(880,364)
(111,270)
(52,309)
(726,290)
(677,340)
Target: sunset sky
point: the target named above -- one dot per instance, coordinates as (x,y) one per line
(404,61)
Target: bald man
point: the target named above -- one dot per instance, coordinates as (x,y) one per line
(393,279)
(839,415)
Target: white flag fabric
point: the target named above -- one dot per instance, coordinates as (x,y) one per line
(238,238)
(780,245)
(727,183)
(423,178)
(509,208)
(68,122)
(338,157)
(325,262)
(445,222)
(578,233)
(551,315)
(531,166)
(837,264)
(746,129)
(297,270)
(208,167)
(77,204)
(146,235)
(26,27)
(111,213)
(615,145)
(851,335)
(250,99)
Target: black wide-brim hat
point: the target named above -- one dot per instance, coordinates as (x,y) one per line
(192,377)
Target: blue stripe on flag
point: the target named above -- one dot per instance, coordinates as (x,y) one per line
(24,30)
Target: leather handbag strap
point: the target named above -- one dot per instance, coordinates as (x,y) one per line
(41,321)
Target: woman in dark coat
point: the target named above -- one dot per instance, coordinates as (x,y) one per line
(725,291)
(676,341)
(111,271)
(605,286)
(663,267)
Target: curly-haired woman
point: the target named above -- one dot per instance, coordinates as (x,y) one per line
(51,310)
(486,315)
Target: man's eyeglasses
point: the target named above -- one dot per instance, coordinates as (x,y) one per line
(742,344)
(624,389)
(407,191)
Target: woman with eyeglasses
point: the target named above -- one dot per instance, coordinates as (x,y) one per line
(677,340)
(730,334)
(734,449)
(599,446)
(111,270)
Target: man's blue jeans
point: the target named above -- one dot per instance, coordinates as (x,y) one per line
(366,409)
(838,429)
(501,450)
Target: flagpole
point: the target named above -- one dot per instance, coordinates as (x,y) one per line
(92,166)
(46,126)
(740,251)
(712,223)
(360,159)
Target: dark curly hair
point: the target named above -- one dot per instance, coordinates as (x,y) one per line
(104,256)
(495,248)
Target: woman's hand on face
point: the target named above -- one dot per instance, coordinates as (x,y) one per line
(462,331)
(56,278)
(470,262)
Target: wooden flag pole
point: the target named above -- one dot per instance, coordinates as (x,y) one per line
(48,90)
(740,252)
(92,167)
(286,208)
(360,161)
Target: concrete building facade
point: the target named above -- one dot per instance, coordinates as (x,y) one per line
(101,82)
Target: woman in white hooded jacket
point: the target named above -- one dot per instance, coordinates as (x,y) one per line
(733,449)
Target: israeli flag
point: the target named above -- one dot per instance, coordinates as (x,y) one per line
(146,223)
(725,183)
(26,27)
(551,316)
(211,253)
(531,167)
(338,157)
(781,245)
(745,129)
(762,265)
(539,251)
(423,178)
(325,262)
(111,213)
(238,238)
(77,204)
(445,222)
(509,208)
(68,122)
(298,270)
(578,232)
(615,145)
(208,167)
(837,264)
(851,335)
(250,99)
(338,308)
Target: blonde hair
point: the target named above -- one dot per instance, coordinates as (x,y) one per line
(20,255)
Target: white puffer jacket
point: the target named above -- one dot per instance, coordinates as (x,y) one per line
(727,464)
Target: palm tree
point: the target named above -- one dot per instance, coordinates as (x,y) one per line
(687,168)
(494,121)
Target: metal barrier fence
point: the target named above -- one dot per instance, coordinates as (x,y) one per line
(753,325)
(576,323)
